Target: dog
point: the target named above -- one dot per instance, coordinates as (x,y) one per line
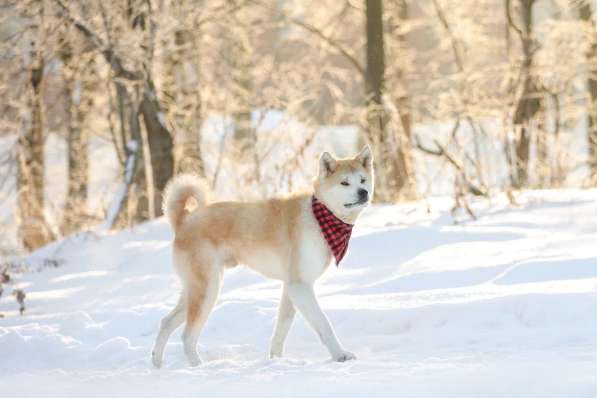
(288,239)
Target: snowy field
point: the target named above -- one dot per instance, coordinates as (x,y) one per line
(505,306)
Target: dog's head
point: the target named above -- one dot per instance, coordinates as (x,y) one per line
(345,186)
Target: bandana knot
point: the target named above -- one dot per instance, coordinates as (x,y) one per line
(335,231)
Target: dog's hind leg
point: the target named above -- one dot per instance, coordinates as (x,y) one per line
(286,313)
(168,325)
(202,295)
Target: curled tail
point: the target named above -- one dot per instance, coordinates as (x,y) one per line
(177,193)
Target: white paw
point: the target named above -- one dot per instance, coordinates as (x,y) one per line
(194,361)
(275,354)
(192,356)
(345,356)
(276,350)
(156,360)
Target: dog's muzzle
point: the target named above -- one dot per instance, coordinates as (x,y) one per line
(363,198)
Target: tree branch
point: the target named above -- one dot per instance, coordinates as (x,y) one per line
(511,21)
(113,60)
(444,21)
(441,151)
(334,44)
(319,33)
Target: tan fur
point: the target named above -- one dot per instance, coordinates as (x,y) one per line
(276,237)
(239,229)
(177,194)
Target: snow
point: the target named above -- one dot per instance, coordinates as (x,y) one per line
(501,306)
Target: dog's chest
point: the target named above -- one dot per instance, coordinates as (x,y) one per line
(315,255)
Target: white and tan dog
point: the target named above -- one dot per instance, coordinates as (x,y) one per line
(279,238)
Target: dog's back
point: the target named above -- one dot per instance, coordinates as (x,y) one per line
(258,234)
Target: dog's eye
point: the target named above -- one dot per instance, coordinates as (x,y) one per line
(363,180)
(345,183)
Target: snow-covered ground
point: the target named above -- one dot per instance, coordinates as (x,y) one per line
(505,306)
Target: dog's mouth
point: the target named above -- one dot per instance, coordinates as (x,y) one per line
(355,204)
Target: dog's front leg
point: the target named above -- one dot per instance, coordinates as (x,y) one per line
(286,313)
(303,297)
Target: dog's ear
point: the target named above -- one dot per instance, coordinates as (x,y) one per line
(327,164)
(365,157)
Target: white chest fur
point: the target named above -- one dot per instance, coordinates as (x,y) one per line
(314,254)
(309,258)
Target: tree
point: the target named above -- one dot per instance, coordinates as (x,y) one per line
(375,70)
(392,151)
(80,81)
(399,93)
(529,98)
(34,230)
(140,96)
(238,53)
(181,83)
(586,15)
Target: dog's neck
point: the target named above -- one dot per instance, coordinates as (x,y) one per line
(347,216)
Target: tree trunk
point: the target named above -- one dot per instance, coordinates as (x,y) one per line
(160,143)
(385,183)
(530,99)
(131,204)
(183,101)
(138,193)
(542,166)
(33,229)
(406,179)
(239,60)
(79,84)
(586,15)
(158,138)
(244,133)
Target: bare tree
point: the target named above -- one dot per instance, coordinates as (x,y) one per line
(399,95)
(374,91)
(34,230)
(143,99)
(528,101)
(586,15)
(181,83)
(80,84)
(238,53)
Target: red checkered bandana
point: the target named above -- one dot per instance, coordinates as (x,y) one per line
(335,231)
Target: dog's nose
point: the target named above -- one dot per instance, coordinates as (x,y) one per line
(363,194)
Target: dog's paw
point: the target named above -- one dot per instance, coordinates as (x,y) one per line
(194,361)
(345,356)
(276,350)
(156,360)
(275,354)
